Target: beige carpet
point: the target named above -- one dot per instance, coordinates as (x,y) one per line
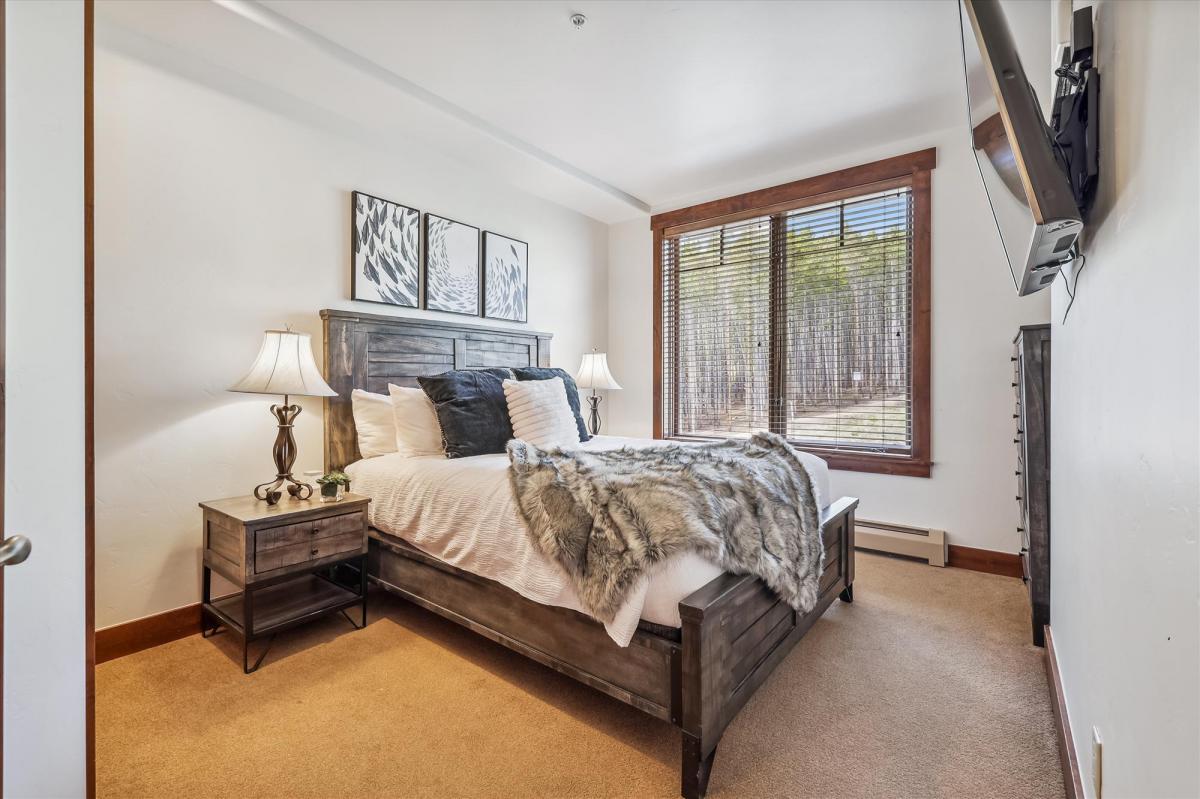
(927,686)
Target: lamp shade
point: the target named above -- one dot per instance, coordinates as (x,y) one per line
(593,372)
(285,365)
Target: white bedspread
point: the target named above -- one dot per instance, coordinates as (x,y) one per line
(462,511)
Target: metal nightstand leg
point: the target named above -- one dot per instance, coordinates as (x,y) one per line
(362,586)
(247,669)
(353,623)
(362,590)
(205,600)
(205,630)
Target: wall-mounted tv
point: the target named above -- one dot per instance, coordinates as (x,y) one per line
(1027,166)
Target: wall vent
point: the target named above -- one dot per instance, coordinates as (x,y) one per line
(899,539)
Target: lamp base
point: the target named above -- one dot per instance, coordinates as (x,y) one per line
(284,453)
(594,417)
(271,493)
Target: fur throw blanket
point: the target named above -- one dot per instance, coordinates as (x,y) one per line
(608,517)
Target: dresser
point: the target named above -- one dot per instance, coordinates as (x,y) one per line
(290,563)
(1031,418)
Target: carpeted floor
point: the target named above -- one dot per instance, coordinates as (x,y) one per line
(927,686)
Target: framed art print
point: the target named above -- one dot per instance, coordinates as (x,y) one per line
(451,266)
(505,278)
(385,253)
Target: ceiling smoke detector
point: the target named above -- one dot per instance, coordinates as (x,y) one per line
(578,20)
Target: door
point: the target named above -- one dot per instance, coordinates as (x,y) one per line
(43,297)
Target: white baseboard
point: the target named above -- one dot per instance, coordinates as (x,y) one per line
(898,539)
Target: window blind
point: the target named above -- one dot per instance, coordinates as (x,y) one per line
(799,321)
(717,292)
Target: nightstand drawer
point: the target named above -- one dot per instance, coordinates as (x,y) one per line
(337,544)
(266,560)
(303,532)
(291,544)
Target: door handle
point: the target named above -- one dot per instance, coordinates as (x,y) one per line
(14,550)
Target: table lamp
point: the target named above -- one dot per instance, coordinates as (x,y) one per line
(284,366)
(593,373)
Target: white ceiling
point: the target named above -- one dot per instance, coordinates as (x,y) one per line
(650,104)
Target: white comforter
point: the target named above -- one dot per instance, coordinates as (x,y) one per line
(462,511)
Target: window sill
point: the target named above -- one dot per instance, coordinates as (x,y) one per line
(874,464)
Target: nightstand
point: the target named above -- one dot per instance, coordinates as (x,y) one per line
(292,562)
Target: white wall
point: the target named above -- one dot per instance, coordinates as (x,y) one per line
(1125,410)
(975,315)
(44,621)
(215,220)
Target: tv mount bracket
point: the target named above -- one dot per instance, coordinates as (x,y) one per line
(1075,121)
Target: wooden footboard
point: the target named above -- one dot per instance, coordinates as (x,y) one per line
(735,632)
(563,639)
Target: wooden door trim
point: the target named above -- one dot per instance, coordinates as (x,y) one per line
(3,322)
(89,401)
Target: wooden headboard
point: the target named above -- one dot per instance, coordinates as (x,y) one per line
(368,351)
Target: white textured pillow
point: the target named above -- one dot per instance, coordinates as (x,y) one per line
(415,422)
(539,412)
(374,421)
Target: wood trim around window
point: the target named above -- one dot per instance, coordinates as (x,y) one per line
(912,169)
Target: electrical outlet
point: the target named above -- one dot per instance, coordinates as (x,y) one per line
(1097,763)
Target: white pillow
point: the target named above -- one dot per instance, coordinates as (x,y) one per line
(540,413)
(374,421)
(415,421)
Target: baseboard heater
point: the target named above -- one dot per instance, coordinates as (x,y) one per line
(899,539)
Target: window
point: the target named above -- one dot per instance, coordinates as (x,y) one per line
(802,309)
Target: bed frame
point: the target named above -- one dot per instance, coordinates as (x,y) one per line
(735,630)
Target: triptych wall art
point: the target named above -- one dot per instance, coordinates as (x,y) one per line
(466,271)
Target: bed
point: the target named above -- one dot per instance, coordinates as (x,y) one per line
(696,643)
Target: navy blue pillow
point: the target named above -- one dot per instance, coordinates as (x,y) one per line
(472,410)
(539,373)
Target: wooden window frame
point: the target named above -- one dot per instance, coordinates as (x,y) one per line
(912,170)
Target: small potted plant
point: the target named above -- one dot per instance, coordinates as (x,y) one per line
(334,486)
